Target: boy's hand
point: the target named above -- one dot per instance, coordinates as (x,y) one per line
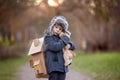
(67,47)
(61,34)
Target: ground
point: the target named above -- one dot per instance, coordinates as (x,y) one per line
(27,73)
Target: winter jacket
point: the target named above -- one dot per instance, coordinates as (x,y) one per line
(54,53)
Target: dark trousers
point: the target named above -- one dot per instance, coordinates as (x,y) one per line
(55,75)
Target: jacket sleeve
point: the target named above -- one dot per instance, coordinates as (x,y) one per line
(54,45)
(73,47)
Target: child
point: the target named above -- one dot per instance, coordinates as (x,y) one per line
(55,40)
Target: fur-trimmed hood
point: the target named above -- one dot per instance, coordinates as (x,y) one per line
(57,19)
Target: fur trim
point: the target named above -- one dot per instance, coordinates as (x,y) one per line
(57,19)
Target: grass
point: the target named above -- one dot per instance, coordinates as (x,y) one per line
(102,66)
(8,67)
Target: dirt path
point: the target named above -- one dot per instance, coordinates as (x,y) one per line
(27,73)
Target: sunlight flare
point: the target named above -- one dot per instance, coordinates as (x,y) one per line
(37,2)
(55,3)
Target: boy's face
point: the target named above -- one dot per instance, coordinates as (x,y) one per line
(57,29)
